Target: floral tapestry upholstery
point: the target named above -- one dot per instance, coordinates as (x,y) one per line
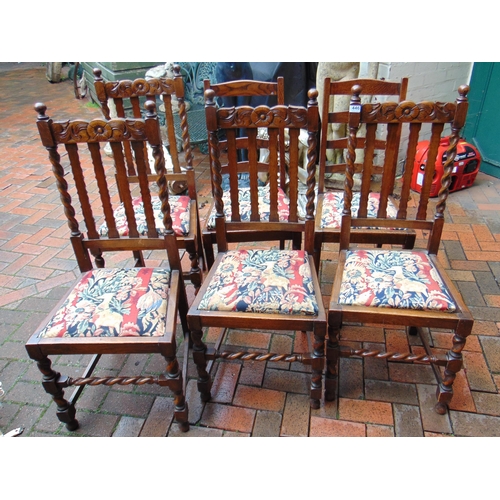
(262,281)
(114,303)
(333,204)
(179,212)
(395,279)
(245,207)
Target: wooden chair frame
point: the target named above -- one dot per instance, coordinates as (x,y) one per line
(245,88)
(372,88)
(275,119)
(74,135)
(183,175)
(416,321)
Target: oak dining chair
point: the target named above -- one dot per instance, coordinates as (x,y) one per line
(242,92)
(123,98)
(264,288)
(112,310)
(394,287)
(333,144)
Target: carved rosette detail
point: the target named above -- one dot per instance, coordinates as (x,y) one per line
(99,131)
(407,111)
(262,116)
(141,87)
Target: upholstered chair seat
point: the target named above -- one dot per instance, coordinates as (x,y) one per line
(394,279)
(262,281)
(113,303)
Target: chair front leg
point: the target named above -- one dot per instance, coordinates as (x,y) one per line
(318,365)
(53,384)
(332,360)
(409,241)
(318,243)
(454,363)
(201,253)
(98,258)
(200,360)
(139,258)
(177,387)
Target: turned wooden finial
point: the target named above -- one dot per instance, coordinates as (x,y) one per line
(356,91)
(97,73)
(177,70)
(40,108)
(313,98)
(209,96)
(463,90)
(150,108)
(312,94)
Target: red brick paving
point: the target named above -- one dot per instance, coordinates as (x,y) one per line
(249,399)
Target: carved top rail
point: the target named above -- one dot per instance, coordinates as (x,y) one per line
(140,87)
(262,116)
(408,111)
(116,130)
(127,88)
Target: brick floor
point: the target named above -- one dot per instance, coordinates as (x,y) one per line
(377,398)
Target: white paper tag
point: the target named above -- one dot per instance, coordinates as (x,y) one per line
(420,179)
(355,108)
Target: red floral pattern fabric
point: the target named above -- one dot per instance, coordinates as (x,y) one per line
(265,281)
(114,303)
(245,207)
(179,212)
(397,279)
(333,204)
